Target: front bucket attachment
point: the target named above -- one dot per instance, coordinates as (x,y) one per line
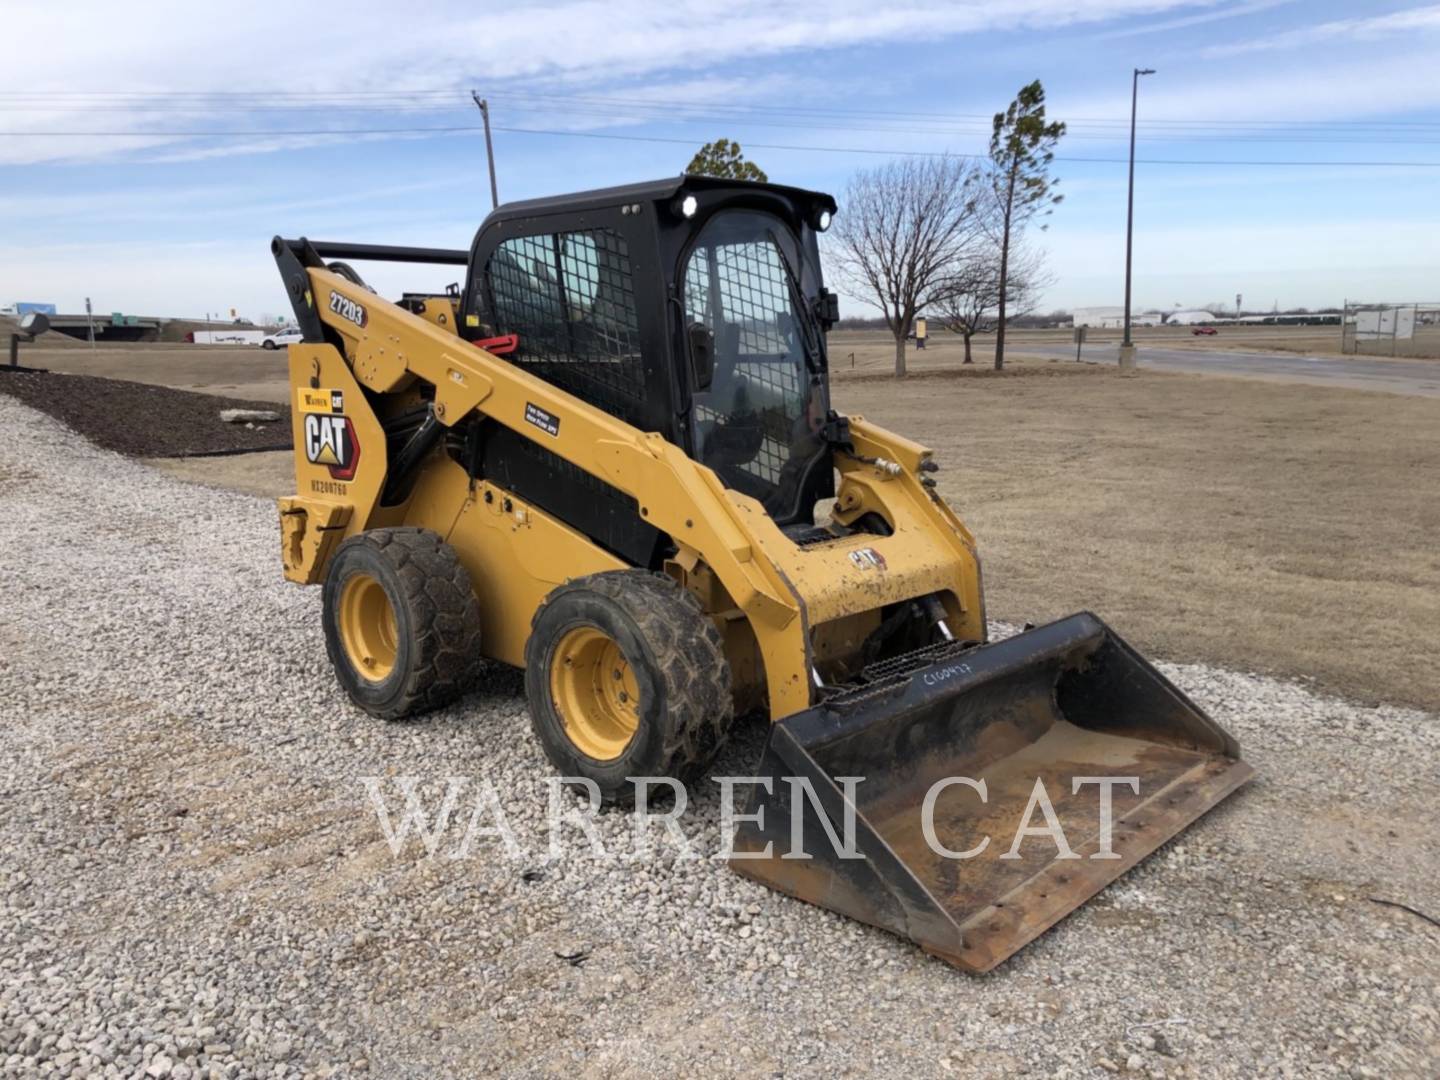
(1066,701)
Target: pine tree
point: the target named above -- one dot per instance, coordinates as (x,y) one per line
(723,158)
(1021,150)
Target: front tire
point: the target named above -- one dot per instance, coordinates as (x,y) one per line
(268,345)
(402,625)
(626,677)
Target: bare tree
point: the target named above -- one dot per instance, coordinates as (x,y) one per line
(901,231)
(972,293)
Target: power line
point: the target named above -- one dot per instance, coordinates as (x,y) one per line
(461,95)
(686,115)
(454,129)
(671,115)
(421,99)
(1349,137)
(987,118)
(639,111)
(242,134)
(936,153)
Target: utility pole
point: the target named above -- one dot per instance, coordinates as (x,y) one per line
(1127,347)
(484,107)
(90,319)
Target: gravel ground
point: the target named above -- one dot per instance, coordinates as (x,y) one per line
(194,882)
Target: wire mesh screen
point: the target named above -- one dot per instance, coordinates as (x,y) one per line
(772,451)
(753,294)
(740,292)
(571,299)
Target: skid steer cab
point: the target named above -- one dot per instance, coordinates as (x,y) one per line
(608,456)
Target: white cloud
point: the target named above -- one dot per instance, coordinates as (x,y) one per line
(150,205)
(275,48)
(1352,31)
(1237,11)
(687,59)
(276,144)
(1335,86)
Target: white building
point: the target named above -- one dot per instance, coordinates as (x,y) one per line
(1113,318)
(1190,318)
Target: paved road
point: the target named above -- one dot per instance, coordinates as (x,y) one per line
(1420,378)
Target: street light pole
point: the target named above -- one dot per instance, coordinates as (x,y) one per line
(484,106)
(1127,347)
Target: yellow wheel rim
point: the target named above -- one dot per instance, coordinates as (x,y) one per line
(367,627)
(594,690)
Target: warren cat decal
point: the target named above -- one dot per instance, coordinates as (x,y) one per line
(329,434)
(322,401)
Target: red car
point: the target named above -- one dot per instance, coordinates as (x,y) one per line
(1204,331)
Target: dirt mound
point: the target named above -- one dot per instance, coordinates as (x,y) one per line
(9,325)
(146,421)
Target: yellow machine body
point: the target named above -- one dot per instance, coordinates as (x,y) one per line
(950,736)
(807,608)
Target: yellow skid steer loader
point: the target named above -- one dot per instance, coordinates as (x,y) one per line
(610,458)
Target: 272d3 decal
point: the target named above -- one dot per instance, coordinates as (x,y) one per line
(348,309)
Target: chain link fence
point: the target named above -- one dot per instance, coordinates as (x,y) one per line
(1392,329)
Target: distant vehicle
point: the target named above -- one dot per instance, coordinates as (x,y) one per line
(1204,331)
(282,338)
(226,337)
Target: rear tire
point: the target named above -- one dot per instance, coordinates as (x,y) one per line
(402,625)
(626,676)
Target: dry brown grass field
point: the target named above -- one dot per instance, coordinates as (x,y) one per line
(874,350)
(249,372)
(254,373)
(1275,528)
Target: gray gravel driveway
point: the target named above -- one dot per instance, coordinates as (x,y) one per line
(193,880)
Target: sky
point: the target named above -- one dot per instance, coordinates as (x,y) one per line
(1287,150)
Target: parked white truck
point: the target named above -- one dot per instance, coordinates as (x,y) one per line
(227,337)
